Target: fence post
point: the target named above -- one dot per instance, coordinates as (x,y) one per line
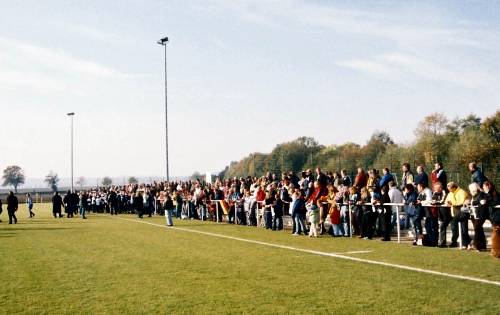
(350,219)
(257,213)
(217,210)
(398,224)
(460,234)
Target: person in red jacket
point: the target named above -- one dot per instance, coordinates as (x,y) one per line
(361,179)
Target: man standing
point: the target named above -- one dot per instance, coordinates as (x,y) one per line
(476,175)
(57,204)
(438,175)
(12,205)
(407,177)
(456,199)
(396,196)
(421,176)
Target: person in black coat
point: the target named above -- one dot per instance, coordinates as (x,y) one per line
(12,205)
(57,205)
(138,203)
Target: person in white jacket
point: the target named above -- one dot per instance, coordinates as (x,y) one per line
(396,196)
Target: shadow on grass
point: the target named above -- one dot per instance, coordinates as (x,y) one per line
(34,228)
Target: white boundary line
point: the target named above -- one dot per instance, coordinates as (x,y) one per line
(314,252)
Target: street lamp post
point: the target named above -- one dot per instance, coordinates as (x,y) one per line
(164,42)
(71,115)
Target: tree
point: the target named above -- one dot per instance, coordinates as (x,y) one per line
(52,180)
(434,124)
(491,126)
(106,181)
(81,181)
(13,176)
(132,180)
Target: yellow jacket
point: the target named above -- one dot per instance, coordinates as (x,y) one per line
(456,199)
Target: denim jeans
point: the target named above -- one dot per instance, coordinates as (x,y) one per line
(337,230)
(416,220)
(268,217)
(82,211)
(277,222)
(168,217)
(344,218)
(300,225)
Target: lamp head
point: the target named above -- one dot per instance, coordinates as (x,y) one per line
(71,114)
(163,41)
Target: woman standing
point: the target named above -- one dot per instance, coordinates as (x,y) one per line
(481,213)
(29,204)
(168,206)
(333,210)
(368,215)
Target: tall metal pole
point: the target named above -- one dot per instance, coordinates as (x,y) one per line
(71,115)
(72,188)
(164,42)
(166,117)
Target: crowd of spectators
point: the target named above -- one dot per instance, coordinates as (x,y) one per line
(316,203)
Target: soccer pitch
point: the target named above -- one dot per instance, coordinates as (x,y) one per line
(124,265)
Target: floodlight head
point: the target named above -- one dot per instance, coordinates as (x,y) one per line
(163,41)
(71,114)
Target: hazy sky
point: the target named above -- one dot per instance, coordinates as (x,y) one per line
(243,76)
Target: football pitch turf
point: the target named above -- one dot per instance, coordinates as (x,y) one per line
(124,265)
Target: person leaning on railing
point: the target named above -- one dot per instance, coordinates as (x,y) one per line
(456,198)
(480,215)
(444,213)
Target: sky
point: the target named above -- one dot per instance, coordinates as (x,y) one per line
(243,76)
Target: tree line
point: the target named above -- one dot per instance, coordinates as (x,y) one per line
(454,142)
(15,177)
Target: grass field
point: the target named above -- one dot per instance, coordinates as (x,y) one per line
(118,265)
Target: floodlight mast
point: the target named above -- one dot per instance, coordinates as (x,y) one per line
(164,42)
(72,114)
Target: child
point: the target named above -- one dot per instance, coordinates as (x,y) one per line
(313,214)
(278,214)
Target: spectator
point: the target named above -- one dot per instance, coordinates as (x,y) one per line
(493,200)
(346,180)
(456,198)
(57,204)
(439,175)
(476,175)
(421,176)
(407,177)
(168,207)
(395,196)
(269,203)
(480,212)
(361,179)
(444,213)
(12,205)
(298,213)
(386,178)
(424,200)
(368,214)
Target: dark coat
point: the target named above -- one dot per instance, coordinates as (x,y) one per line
(57,203)
(12,203)
(478,177)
